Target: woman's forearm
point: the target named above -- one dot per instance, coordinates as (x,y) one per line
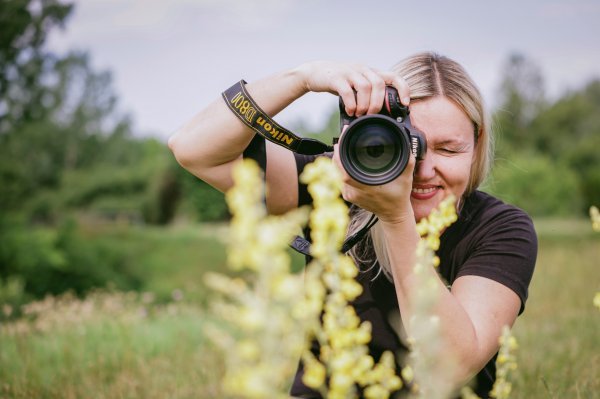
(457,329)
(215,136)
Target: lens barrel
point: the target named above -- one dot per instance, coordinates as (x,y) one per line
(375,149)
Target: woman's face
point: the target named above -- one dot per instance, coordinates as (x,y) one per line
(446,168)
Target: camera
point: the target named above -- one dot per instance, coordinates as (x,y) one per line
(375,149)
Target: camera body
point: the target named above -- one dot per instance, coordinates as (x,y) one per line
(375,149)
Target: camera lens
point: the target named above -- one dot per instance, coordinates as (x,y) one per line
(374,149)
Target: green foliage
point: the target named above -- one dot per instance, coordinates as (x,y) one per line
(207,203)
(569,130)
(536,184)
(548,160)
(330,130)
(521,96)
(54,261)
(26,86)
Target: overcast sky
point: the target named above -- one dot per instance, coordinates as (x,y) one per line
(171,58)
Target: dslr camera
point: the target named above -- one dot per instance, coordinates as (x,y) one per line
(375,149)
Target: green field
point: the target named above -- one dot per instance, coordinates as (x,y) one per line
(116,345)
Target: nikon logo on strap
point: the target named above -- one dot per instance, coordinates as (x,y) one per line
(243,106)
(277,135)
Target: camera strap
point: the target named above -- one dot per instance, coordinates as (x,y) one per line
(302,245)
(243,106)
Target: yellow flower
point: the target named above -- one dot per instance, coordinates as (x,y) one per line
(597,300)
(595,216)
(248,349)
(261,311)
(343,338)
(407,373)
(506,362)
(314,374)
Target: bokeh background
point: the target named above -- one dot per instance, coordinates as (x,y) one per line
(91,199)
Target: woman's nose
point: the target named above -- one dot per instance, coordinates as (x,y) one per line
(425,168)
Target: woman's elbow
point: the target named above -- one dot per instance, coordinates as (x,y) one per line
(180,150)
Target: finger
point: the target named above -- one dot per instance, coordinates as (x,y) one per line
(377,90)
(410,166)
(400,84)
(345,91)
(346,179)
(336,156)
(363,93)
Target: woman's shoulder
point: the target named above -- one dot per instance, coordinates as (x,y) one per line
(485,207)
(485,217)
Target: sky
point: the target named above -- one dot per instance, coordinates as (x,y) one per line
(170,59)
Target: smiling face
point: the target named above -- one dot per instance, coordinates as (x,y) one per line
(446,168)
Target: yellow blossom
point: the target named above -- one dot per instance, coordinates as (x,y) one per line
(314,374)
(597,300)
(342,337)
(407,373)
(428,360)
(595,216)
(506,362)
(256,310)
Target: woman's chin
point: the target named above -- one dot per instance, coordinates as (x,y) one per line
(422,208)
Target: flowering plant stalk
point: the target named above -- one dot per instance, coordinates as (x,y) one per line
(595,216)
(505,364)
(428,358)
(344,361)
(261,311)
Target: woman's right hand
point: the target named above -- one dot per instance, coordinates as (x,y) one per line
(362,88)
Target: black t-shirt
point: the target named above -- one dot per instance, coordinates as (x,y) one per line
(490,239)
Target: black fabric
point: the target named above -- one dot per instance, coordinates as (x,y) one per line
(490,239)
(257,150)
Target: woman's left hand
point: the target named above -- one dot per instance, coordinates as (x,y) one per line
(390,201)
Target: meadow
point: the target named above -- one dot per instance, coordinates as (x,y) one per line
(151,345)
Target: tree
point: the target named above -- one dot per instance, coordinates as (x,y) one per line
(522,97)
(25,92)
(56,113)
(569,131)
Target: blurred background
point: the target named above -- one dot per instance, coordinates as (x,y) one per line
(90,197)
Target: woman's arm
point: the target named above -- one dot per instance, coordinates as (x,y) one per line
(215,138)
(472,314)
(210,143)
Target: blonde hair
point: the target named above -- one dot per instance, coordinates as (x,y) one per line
(429,75)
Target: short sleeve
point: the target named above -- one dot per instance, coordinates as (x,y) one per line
(505,251)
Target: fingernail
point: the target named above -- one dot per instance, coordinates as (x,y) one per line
(406,100)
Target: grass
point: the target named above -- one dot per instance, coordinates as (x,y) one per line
(128,349)
(559,355)
(137,347)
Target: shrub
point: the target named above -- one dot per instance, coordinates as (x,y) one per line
(536,184)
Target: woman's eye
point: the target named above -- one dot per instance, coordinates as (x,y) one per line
(448,150)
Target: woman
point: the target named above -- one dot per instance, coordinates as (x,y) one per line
(487,257)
